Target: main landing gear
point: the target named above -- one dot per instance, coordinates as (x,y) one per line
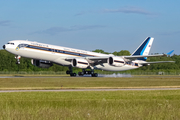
(84,72)
(70,71)
(17,57)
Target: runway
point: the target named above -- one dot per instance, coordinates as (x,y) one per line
(76,90)
(100,76)
(161,87)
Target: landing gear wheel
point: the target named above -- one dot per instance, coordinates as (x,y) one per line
(80,74)
(70,71)
(67,72)
(18,62)
(73,74)
(94,75)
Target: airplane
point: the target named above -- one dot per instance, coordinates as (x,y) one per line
(44,55)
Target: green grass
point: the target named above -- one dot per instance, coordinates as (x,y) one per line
(84,82)
(112,105)
(92,105)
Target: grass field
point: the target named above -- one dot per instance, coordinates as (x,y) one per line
(132,105)
(88,82)
(92,105)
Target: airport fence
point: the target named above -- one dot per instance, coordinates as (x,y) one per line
(32,73)
(99,72)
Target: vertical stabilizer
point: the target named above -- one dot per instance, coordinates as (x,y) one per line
(144,48)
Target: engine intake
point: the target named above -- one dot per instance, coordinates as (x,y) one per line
(41,63)
(116,61)
(80,63)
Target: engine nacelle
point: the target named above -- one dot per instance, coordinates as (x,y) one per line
(41,63)
(80,63)
(116,61)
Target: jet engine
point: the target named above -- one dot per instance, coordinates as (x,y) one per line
(80,63)
(116,61)
(41,63)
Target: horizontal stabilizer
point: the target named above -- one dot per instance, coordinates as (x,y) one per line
(169,53)
(142,56)
(146,63)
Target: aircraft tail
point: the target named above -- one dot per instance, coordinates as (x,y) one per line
(144,48)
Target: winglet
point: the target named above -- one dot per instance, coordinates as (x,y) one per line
(169,53)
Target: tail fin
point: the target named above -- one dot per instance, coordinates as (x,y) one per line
(144,48)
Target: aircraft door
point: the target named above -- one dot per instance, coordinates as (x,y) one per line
(52,50)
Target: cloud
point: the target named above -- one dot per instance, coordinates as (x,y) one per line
(5,23)
(56,30)
(128,10)
(81,13)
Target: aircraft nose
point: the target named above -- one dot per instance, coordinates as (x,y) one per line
(4,46)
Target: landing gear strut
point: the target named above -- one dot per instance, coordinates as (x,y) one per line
(70,71)
(17,57)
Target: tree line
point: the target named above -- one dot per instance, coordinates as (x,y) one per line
(8,63)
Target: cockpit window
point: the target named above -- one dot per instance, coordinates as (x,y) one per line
(11,43)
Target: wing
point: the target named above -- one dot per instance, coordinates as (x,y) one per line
(134,57)
(99,60)
(147,63)
(104,59)
(92,60)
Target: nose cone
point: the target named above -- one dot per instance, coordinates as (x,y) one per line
(4,46)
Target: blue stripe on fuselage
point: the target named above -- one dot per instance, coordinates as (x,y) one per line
(145,46)
(58,51)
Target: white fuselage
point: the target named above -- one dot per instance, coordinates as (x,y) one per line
(58,54)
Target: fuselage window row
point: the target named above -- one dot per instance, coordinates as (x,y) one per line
(55,50)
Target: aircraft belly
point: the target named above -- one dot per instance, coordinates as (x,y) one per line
(62,61)
(36,54)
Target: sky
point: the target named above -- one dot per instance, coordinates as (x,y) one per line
(110,25)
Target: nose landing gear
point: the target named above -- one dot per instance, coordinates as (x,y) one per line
(17,57)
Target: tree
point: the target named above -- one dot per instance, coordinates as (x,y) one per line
(122,53)
(8,63)
(101,51)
